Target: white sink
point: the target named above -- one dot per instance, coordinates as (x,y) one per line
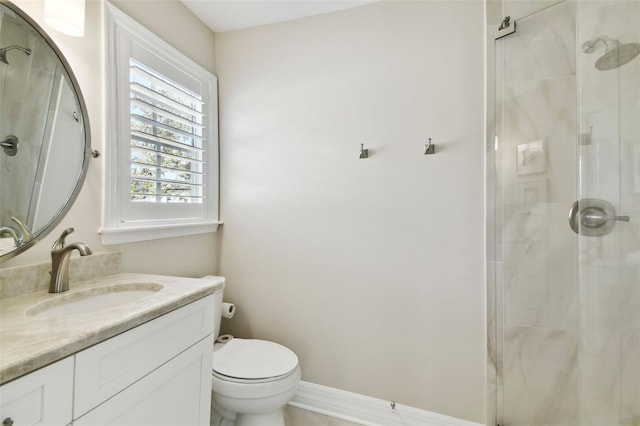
(92,300)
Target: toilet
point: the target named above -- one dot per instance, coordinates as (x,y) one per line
(252,380)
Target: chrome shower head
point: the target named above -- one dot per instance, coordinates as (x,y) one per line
(617,57)
(4,50)
(615,54)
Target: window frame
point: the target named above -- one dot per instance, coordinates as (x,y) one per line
(123,36)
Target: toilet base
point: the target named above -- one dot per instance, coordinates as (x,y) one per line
(222,417)
(274,418)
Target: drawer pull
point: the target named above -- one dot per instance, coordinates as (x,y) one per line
(7,422)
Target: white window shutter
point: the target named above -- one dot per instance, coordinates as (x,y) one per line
(162,154)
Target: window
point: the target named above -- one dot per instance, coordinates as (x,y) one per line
(166,139)
(162,143)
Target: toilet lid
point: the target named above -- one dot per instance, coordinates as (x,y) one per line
(254,359)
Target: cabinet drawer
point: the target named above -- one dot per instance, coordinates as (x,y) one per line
(40,398)
(177,393)
(109,367)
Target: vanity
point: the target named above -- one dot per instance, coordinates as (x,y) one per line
(110,348)
(122,349)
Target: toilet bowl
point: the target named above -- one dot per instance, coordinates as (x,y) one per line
(252,381)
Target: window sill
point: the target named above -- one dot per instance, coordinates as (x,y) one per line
(111,236)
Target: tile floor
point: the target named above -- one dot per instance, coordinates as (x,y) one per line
(297,417)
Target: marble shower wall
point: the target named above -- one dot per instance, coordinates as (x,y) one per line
(563,310)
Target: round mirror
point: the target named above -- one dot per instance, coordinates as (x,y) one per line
(44,133)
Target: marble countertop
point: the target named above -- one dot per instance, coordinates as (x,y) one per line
(29,342)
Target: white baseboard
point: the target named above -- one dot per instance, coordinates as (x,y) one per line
(365,410)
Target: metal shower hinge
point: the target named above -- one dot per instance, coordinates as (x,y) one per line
(506,27)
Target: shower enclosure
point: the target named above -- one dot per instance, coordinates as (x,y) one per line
(563,213)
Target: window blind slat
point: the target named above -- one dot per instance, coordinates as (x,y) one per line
(166,199)
(170,181)
(150,172)
(137,71)
(165,154)
(138,164)
(140,103)
(160,98)
(146,137)
(150,194)
(168,155)
(145,120)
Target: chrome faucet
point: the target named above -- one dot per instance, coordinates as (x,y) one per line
(26,235)
(60,257)
(17,237)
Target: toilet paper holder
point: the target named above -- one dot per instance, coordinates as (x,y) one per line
(228,310)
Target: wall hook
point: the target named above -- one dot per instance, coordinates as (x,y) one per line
(429,148)
(10,145)
(364,153)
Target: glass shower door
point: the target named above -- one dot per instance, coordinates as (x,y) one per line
(608,213)
(566,224)
(536,252)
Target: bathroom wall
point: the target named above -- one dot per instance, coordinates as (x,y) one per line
(85,56)
(371,270)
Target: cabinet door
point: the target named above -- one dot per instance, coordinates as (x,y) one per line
(43,397)
(109,367)
(177,393)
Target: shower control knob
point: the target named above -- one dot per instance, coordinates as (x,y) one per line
(7,422)
(593,217)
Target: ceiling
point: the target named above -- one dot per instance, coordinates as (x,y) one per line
(229,15)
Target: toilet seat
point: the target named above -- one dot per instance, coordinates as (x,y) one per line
(253,361)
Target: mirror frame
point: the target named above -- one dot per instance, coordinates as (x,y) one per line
(87,132)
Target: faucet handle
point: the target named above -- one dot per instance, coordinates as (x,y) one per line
(60,241)
(26,235)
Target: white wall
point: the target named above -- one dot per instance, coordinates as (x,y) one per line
(371,270)
(189,256)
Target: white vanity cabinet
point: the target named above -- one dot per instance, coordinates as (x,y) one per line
(43,397)
(177,393)
(158,373)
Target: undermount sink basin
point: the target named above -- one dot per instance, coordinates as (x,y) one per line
(92,300)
